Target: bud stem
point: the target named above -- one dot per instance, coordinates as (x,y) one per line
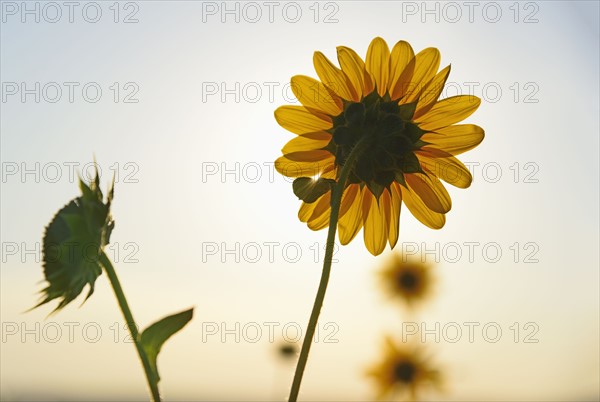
(133,329)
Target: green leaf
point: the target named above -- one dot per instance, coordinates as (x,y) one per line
(157,334)
(73,242)
(407,111)
(309,190)
(409,163)
(331,147)
(375,188)
(420,144)
(400,179)
(413,132)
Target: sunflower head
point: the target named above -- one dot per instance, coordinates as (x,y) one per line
(390,139)
(407,279)
(73,242)
(408,138)
(404,371)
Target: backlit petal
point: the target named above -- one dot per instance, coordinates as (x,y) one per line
(307,142)
(320,216)
(299,120)
(313,95)
(431,191)
(427,62)
(448,111)
(449,169)
(375,222)
(378,64)
(402,54)
(333,78)
(306,209)
(431,92)
(351,221)
(417,207)
(304,164)
(455,139)
(394,224)
(354,68)
(404,81)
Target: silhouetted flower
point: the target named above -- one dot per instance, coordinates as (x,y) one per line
(389,104)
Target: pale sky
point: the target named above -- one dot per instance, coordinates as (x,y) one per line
(202,220)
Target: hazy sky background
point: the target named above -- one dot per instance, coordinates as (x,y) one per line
(534,198)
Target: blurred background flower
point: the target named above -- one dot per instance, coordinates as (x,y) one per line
(404,371)
(407,279)
(287,351)
(285,354)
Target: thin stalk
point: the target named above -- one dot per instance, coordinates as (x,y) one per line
(336,200)
(116,285)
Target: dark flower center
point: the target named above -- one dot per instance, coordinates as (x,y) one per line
(408,280)
(405,372)
(287,350)
(390,139)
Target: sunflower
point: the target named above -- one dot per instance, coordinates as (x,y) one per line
(408,139)
(286,351)
(407,279)
(403,372)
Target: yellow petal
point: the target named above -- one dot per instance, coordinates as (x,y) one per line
(378,64)
(354,68)
(313,95)
(431,191)
(310,156)
(375,222)
(402,54)
(304,163)
(306,209)
(449,169)
(322,205)
(455,139)
(448,111)
(431,92)
(350,221)
(404,81)
(348,198)
(330,172)
(299,120)
(333,78)
(320,216)
(417,207)
(385,202)
(395,214)
(427,62)
(307,142)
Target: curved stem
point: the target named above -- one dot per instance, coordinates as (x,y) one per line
(336,200)
(116,285)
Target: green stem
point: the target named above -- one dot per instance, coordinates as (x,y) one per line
(116,285)
(336,200)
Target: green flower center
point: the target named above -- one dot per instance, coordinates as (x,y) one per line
(390,139)
(405,372)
